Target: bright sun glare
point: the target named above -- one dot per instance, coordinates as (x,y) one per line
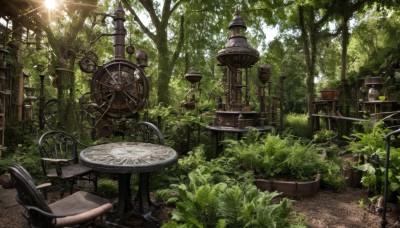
(50,4)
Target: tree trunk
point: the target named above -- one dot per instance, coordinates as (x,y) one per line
(345,43)
(164,73)
(164,77)
(309,47)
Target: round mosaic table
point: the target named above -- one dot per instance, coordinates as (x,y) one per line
(125,158)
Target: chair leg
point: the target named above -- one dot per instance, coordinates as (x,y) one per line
(44,193)
(62,191)
(71,186)
(96,175)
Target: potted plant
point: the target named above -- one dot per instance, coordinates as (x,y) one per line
(331,90)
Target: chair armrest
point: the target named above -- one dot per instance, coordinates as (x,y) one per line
(56,160)
(43,186)
(47,214)
(58,164)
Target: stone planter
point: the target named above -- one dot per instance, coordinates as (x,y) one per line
(291,188)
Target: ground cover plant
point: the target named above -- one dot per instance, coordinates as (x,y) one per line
(218,193)
(275,156)
(370,147)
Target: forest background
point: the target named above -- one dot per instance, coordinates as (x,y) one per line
(318,44)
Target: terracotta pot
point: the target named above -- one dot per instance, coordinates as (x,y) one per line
(291,188)
(327,94)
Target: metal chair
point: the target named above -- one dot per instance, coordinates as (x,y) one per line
(42,187)
(145,132)
(59,160)
(78,209)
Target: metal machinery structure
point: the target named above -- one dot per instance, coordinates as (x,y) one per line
(5,94)
(234,114)
(119,88)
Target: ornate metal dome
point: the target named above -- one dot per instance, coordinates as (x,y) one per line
(237,52)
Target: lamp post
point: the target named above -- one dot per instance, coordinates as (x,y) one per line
(383,221)
(40,68)
(41,102)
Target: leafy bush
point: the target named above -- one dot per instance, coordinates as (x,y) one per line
(277,156)
(332,177)
(222,205)
(324,135)
(176,126)
(27,156)
(366,145)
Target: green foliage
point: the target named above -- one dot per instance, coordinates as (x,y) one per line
(324,135)
(371,147)
(27,156)
(5,163)
(374,43)
(369,142)
(176,126)
(107,188)
(277,156)
(222,205)
(196,170)
(332,177)
(296,124)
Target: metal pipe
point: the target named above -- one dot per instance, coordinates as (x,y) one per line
(41,102)
(383,221)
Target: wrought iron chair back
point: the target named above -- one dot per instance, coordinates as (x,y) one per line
(29,196)
(59,160)
(80,208)
(145,132)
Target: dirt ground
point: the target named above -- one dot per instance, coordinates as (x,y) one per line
(325,209)
(331,209)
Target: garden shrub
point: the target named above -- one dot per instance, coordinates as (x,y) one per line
(223,205)
(276,156)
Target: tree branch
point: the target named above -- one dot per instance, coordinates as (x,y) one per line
(148,5)
(137,19)
(179,45)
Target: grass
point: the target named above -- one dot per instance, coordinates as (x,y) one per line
(297,125)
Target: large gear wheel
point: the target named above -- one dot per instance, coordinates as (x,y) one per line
(120,89)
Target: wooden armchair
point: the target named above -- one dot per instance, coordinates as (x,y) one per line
(80,208)
(59,160)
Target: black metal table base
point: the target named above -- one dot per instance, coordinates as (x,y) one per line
(141,207)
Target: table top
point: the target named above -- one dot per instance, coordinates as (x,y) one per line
(128,157)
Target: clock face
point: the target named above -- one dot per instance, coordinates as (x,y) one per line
(129,154)
(120,89)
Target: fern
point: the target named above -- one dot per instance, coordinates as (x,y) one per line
(230,204)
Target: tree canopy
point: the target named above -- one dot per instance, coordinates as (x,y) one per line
(319,42)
